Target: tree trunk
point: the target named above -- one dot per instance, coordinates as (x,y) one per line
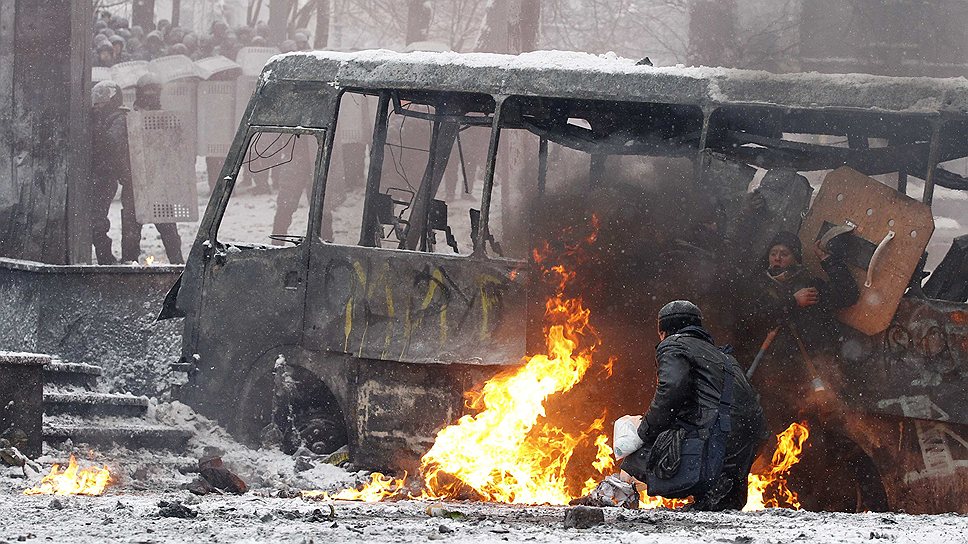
(712,32)
(418,21)
(528,24)
(175,12)
(321,36)
(45,74)
(278,20)
(494,32)
(143,14)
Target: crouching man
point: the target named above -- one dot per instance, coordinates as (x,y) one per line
(705,422)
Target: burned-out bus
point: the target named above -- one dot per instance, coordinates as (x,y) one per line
(365,317)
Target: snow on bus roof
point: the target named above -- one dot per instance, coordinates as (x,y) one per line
(584,75)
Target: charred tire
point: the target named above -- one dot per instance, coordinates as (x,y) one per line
(314,419)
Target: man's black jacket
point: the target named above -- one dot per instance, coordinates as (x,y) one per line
(691,373)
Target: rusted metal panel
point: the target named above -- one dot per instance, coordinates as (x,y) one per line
(162,166)
(415,307)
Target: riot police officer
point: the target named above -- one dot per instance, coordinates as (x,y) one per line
(110,165)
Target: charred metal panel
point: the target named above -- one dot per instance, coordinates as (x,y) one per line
(401,407)
(251,311)
(580,75)
(917,368)
(415,307)
(922,465)
(294,104)
(393,410)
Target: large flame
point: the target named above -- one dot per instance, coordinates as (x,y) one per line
(502,452)
(768,488)
(73,481)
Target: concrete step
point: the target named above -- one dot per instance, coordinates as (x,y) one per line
(134,435)
(84,403)
(59,373)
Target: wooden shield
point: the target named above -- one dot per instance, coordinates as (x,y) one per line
(890,235)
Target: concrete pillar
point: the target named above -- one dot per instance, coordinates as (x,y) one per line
(22,400)
(45,75)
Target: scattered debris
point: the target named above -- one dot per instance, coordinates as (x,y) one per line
(338,457)
(611,491)
(213,471)
(12,456)
(175,509)
(438,510)
(583,517)
(317,515)
(200,486)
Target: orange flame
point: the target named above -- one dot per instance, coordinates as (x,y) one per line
(378,488)
(768,489)
(73,481)
(502,452)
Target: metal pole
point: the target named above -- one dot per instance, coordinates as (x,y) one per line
(542,165)
(934,152)
(489,175)
(368,232)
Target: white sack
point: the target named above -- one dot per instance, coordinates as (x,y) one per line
(625,436)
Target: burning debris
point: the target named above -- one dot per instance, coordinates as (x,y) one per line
(73,480)
(768,488)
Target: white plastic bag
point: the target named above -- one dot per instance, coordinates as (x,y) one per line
(625,436)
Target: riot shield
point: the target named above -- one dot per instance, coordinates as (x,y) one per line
(180,96)
(888,232)
(217,68)
(127,74)
(217,118)
(252,60)
(100,73)
(173,68)
(162,166)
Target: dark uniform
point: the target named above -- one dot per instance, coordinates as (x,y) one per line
(802,331)
(691,373)
(110,165)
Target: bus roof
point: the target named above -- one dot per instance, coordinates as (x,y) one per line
(607,77)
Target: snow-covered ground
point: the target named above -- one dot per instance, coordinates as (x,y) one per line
(133,516)
(145,481)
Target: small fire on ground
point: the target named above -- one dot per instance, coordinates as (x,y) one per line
(73,480)
(507,451)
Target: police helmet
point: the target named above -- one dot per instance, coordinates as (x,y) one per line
(106,93)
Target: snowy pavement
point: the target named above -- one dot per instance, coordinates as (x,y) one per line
(147,484)
(134,517)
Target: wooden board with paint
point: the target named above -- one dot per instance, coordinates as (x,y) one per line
(891,231)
